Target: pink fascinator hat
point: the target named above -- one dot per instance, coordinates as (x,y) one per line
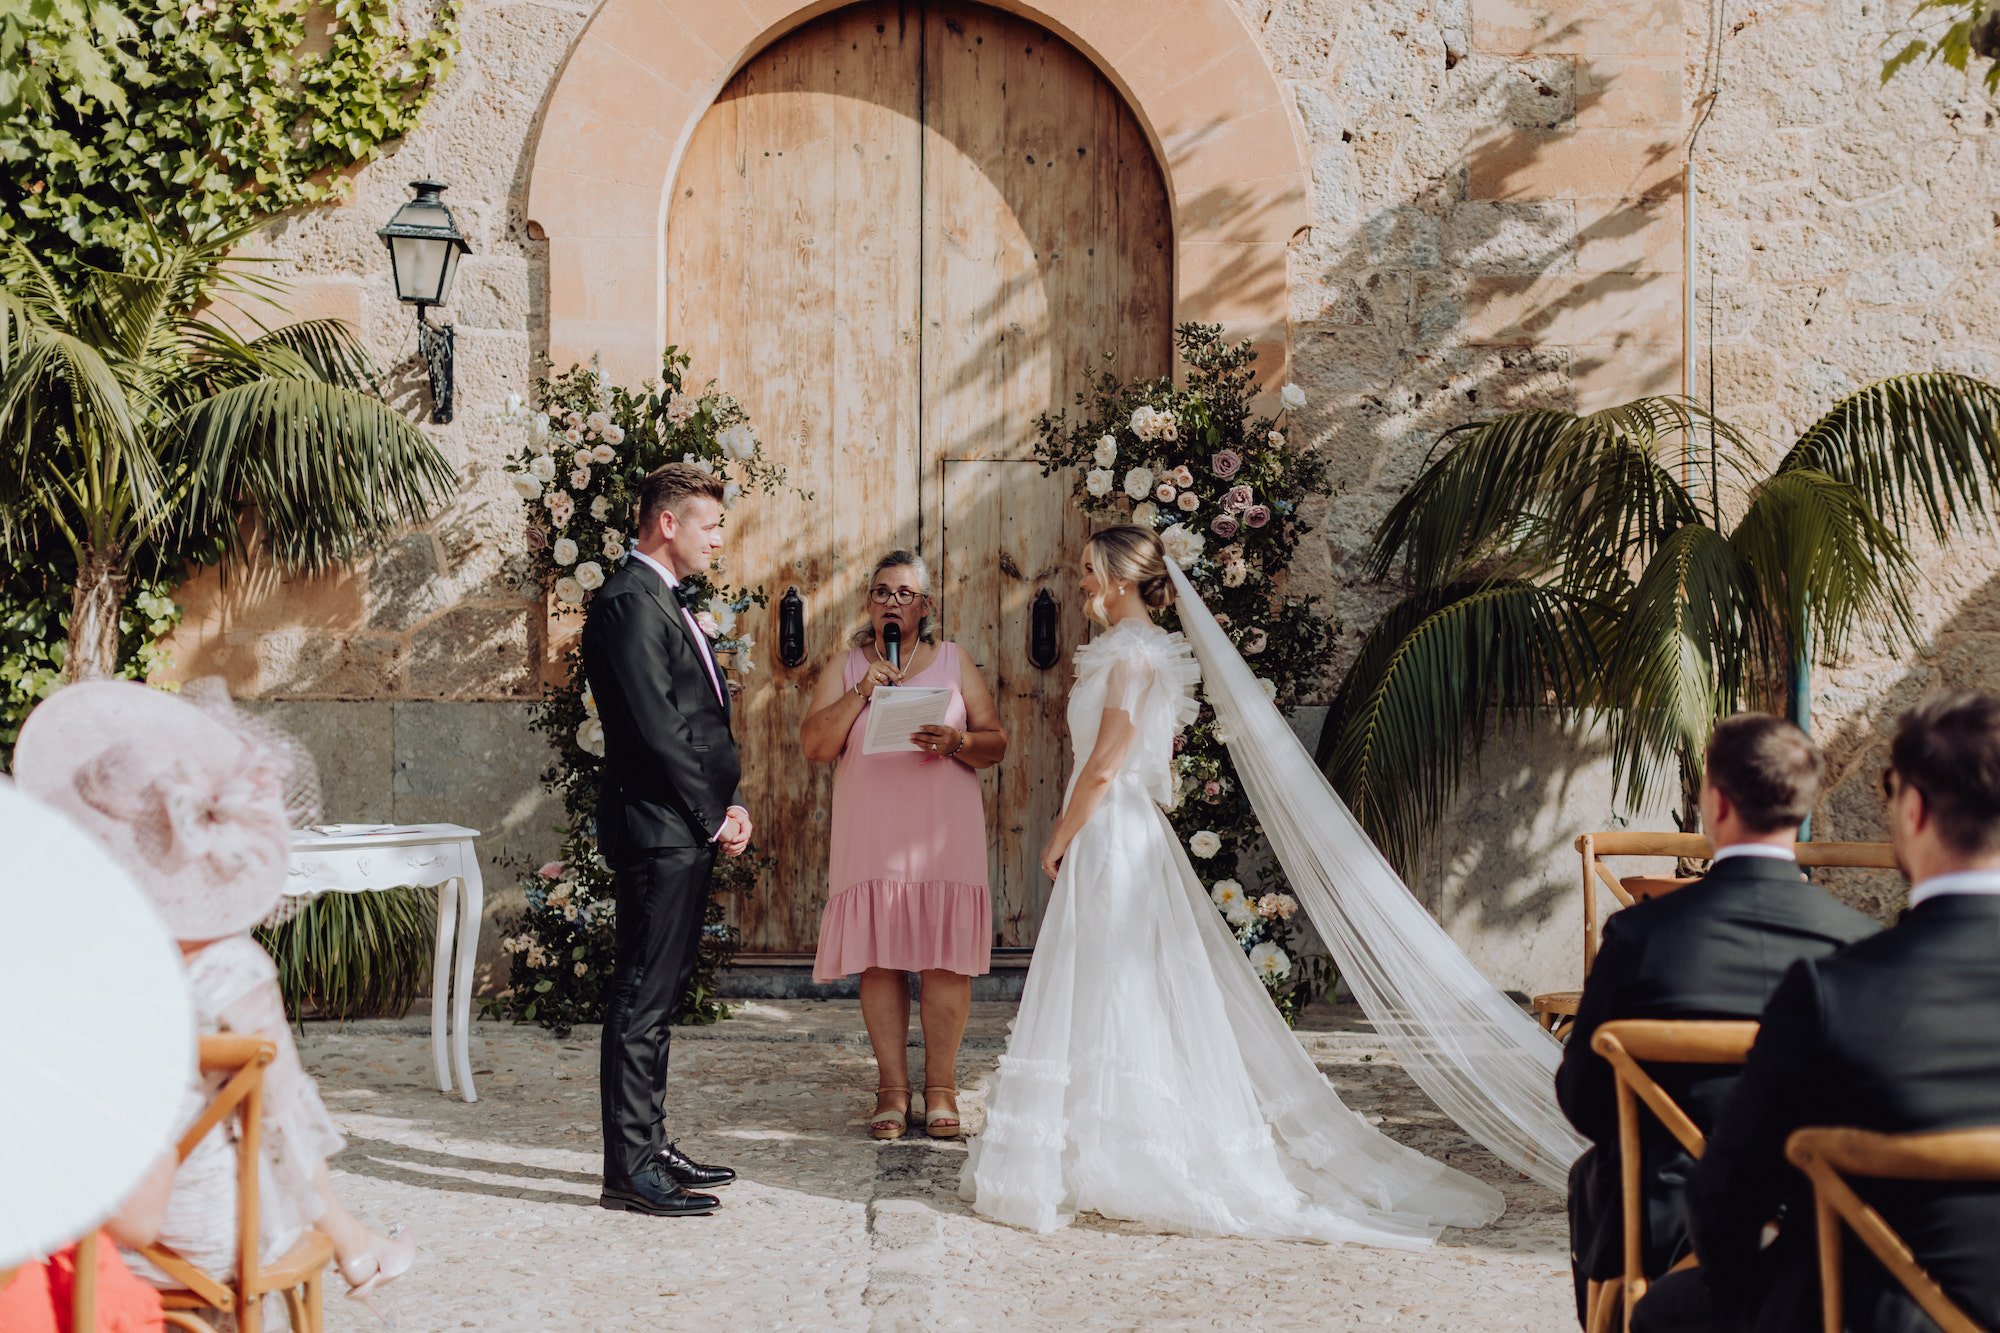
(195,800)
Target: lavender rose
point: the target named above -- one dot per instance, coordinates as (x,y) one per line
(1223,526)
(1256,516)
(1226,464)
(1239,499)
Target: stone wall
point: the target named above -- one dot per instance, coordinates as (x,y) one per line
(1496,221)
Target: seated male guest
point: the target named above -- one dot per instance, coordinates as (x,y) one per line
(1898,1034)
(1714,949)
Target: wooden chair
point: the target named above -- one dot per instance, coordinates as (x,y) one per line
(1555,1009)
(83,1296)
(1626,1044)
(299,1273)
(1828,1155)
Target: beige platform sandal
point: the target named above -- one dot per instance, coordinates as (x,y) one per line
(941,1122)
(890,1122)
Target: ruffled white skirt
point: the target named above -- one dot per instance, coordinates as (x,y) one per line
(1149,1078)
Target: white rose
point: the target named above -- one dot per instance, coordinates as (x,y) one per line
(561,508)
(569,591)
(1294,397)
(526,484)
(730,491)
(543,467)
(705,622)
(597,423)
(614,435)
(723,614)
(1234,573)
(581,968)
(1146,514)
(1269,686)
(1183,544)
(614,546)
(560,894)
(583,458)
(564,551)
(1204,844)
(603,453)
(1142,423)
(573,419)
(1270,961)
(538,434)
(1187,502)
(1277,439)
(591,575)
(579,480)
(679,408)
(739,441)
(1164,492)
(574,435)
(1228,894)
(1098,481)
(589,702)
(1139,482)
(1107,450)
(600,508)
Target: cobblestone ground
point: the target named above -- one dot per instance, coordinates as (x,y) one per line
(829,1230)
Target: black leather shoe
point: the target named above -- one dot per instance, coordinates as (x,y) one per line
(656,1194)
(690,1174)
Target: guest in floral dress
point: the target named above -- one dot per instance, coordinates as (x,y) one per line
(907,868)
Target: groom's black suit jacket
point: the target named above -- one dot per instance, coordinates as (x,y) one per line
(1898,1034)
(1714,949)
(670,764)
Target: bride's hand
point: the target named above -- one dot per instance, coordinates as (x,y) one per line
(1053,853)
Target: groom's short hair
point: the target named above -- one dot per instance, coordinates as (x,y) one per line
(1767,768)
(671,485)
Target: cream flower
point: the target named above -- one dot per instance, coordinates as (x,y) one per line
(1271,962)
(543,467)
(562,893)
(739,441)
(1164,492)
(565,551)
(1255,642)
(1269,687)
(1277,439)
(1139,482)
(590,574)
(603,453)
(1099,481)
(597,423)
(600,508)
(1146,514)
(1107,450)
(1183,544)
(527,485)
(561,508)
(614,435)
(679,408)
(705,622)
(583,458)
(538,435)
(579,480)
(1294,397)
(1187,502)
(574,435)
(1142,422)
(569,592)
(614,546)
(723,614)
(1204,844)
(1277,905)
(1180,476)
(1234,574)
(589,710)
(1228,896)
(581,968)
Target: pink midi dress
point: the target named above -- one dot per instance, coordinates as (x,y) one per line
(907,869)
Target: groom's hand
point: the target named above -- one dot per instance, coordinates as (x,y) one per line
(736,829)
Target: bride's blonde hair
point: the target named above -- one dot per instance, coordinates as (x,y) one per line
(1133,555)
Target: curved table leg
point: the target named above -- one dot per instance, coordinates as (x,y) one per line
(447,893)
(472,904)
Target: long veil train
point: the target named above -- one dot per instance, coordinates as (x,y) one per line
(1486,1063)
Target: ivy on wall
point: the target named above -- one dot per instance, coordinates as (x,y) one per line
(225,111)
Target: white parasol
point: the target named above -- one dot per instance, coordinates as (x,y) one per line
(97,1040)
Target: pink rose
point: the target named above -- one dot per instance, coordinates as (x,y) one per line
(1180,743)
(1239,499)
(537,540)
(1188,502)
(1180,476)
(1226,464)
(1256,516)
(553,870)
(1211,789)
(1223,526)
(1164,492)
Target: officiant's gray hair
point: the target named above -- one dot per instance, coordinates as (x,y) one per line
(899,559)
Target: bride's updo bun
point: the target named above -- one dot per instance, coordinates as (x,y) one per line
(1134,555)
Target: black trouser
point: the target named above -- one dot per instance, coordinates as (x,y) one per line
(661,899)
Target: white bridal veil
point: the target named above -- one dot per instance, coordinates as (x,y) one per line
(1484,1061)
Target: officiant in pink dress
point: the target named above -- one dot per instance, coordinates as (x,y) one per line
(908,887)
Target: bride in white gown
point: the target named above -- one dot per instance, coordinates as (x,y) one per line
(1149,1077)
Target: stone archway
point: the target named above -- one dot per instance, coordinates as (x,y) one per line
(1221,125)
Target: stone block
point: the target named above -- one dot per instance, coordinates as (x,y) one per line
(317,663)
(404,588)
(1605,374)
(1525,238)
(1604,308)
(1402,237)
(1612,91)
(1911,280)
(475,651)
(1542,27)
(1630,235)
(353,744)
(1573,164)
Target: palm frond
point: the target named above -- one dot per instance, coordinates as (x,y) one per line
(1825,559)
(328,468)
(1695,629)
(330,347)
(67,414)
(1441,671)
(1923,449)
(1487,480)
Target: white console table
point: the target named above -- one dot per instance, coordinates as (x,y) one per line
(364,858)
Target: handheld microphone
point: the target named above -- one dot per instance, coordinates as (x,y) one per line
(892,644)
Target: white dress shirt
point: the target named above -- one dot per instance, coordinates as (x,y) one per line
(1763,849)
(1958,881)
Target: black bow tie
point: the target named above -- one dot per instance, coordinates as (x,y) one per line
(685,596)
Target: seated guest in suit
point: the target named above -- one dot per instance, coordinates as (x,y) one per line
(1896,1035)
(1712,950)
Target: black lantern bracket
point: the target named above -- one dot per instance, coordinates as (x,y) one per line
(434,345)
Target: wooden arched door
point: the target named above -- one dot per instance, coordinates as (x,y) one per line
(899,234)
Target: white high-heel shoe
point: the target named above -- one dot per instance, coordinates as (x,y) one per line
(368,1273)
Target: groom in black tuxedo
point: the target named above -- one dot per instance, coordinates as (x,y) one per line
(669,803)
(1714,949)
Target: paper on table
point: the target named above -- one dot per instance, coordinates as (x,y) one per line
(897,710)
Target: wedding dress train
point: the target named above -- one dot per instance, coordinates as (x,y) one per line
(1148,1076)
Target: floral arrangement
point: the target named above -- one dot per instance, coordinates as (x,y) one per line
(1222,488)
(587,445)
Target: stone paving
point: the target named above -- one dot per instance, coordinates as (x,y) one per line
(829,1230)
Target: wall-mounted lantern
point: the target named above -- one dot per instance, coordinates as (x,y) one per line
(424,246)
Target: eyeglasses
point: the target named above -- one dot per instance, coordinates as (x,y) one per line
(900,596)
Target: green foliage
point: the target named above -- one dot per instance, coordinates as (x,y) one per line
(1952,32)
(579,520)
(354,955)
(156,114)
(1640,564)
(1194,464)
